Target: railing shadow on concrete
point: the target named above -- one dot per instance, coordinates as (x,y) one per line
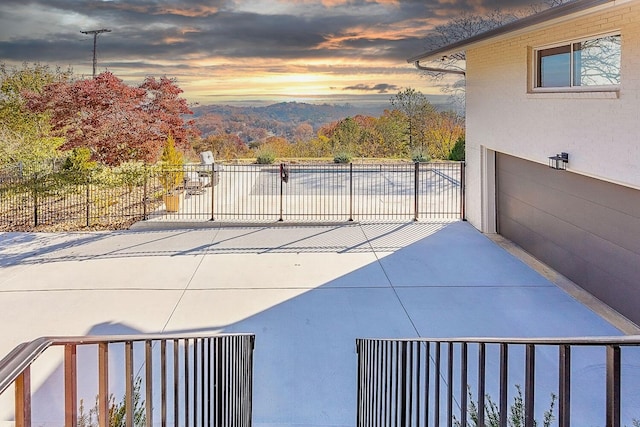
(38,248)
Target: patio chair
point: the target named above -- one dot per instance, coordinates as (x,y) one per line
(207,159)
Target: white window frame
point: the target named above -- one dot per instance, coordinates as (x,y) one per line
(534,77)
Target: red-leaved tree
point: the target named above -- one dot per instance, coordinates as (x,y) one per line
(115,121)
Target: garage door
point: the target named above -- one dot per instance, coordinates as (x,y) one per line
(587,229)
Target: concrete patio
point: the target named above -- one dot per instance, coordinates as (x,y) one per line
(306,292)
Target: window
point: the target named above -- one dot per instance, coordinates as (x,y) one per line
(588,63)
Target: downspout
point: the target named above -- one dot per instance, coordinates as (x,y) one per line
(438,70)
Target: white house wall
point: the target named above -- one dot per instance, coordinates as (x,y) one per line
(600,131)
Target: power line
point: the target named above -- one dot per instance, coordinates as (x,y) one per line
(95,41)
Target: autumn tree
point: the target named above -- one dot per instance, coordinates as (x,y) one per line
(223,146)
(163,104)
(391,128)
(319,146)
(418,113)
(303,132)
(117,122)
(25,135)
(445,128)
(279,146)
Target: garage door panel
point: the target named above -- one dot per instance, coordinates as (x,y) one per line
(607,222)
(546,251)
(588,230)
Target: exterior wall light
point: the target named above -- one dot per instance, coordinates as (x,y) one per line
(559,161)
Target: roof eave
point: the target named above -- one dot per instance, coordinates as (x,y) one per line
(547,16)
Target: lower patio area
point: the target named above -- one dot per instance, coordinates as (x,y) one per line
(307,292)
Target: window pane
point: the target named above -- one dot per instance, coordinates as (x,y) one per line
(554,67)
(597,62)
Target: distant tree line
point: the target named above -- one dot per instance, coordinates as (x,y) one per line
(49,113)
(411,129)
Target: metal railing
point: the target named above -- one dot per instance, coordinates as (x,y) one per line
(115,198)
(328,192)
(432,382)
(74,199)
(168,379)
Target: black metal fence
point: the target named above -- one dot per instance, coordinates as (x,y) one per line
(325,192)
(74,199)
(285,192)
(499,382)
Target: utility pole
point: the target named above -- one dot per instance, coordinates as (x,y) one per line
(95,40)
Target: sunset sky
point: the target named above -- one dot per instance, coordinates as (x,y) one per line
(253,51)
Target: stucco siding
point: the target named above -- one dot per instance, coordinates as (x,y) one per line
(600,131)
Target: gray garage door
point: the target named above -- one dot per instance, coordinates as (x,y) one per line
(587,229)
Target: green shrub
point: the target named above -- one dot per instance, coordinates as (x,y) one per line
(342,158)
(420,157)
(79,160)
(131,174)
(117,410)
(265,156)
(457,152)
(516,415)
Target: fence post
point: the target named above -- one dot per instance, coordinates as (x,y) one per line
(463,214)
(213,186)
(87,199)
(281,190)
(145,197)
(350,191)
(416,190)
(35,199)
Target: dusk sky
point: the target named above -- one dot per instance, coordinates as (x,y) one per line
(239,50)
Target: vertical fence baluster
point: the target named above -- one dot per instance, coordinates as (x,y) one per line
(463,214)
(564,385)
(129,382)
(103,384)
(219,383)
(88,203)
(404,370)
(23,399)
(163,382)
(145,195)
(463,383)
(35,199)
(281,194)
(196,343)
(482,366)
(187,402)
(148,360)
(70,385)
(350,191)
(530,380)
(450,385)
(504,382)
(214,179)
(176,382)
(203,384)
(613,386)
(436,380)
(416,191)
(427,381)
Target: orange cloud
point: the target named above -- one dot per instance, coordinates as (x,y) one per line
(332,3)
(190,12)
